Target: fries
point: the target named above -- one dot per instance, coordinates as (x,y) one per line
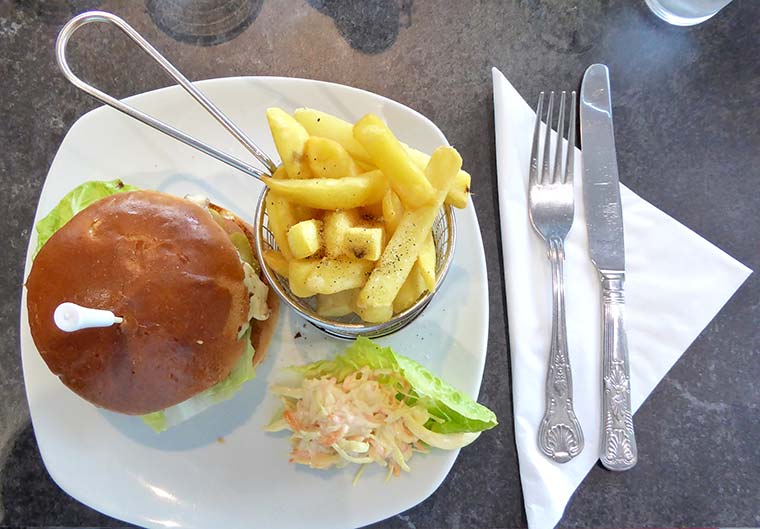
(392,211)
(305,238)
(281,173)
(281,219)
(328,159)
(459,192)
(299,271)
(277,262)
(336,305)
(374,314)
(426,261)
(290,140)
(326,126)
(336,275)
(364,243)
(336,225)
(413,287)
(352,210)
(332,193)
(406,179)
(403,249)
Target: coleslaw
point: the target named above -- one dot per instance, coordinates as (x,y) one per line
(364,407)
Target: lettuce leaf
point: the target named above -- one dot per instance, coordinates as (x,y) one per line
(221,391)
(75,201)
(452,411)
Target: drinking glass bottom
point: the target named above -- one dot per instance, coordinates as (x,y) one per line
(689,16)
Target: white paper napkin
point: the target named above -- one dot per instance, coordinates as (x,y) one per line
(675,284)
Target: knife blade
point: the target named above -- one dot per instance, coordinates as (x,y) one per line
(601,189)
(604,222)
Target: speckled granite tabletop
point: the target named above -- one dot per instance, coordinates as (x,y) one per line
(686,115)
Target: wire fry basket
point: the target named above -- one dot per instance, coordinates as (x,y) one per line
(351,326)
(347,327)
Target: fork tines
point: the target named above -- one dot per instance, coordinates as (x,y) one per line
(557,174)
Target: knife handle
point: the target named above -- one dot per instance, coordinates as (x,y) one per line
(618,449)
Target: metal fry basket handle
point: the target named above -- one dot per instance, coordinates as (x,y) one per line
(101,16)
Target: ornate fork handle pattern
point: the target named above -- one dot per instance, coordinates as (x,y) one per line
(618,450)
(560,436)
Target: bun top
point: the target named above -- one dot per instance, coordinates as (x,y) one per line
(165,266)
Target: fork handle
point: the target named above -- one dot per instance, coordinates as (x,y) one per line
(560,436)
(618,448)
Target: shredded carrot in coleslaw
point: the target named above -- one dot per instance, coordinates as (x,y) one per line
(366,418)
(360,420)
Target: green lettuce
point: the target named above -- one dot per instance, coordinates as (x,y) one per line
(221,391)
(451,410)
(75,201)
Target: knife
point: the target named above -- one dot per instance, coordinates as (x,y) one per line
(604,221)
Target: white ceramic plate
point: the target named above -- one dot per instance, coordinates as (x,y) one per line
(220,469)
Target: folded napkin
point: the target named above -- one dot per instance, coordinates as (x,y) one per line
(675,284)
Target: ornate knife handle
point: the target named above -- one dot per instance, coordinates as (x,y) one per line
(618,450)
(559,436)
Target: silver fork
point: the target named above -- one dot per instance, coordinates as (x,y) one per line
(551,213)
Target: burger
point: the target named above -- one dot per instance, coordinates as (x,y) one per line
(197,315)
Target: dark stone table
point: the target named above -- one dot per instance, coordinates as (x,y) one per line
(687,109)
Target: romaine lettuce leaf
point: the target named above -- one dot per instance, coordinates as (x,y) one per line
(452,410)
(221,391)
(75,201)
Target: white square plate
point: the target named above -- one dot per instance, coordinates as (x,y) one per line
(220,469)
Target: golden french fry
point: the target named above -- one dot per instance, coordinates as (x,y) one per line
(374,314)
(459,192)
(299,271)
(280,173)
(336,305)
(336,224)
(364,242)
(305,238)
(332,193)
(402,250)
(277,262)
(426,261)
(327,126)
(301,213)
(280,219)
(335,275)
(441,171)
(289,139)
(373,211)
(328,159)
(406,179)
(363,166)
(411,290)
(322,124)
(392,211)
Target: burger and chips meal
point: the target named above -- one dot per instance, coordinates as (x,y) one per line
(351,211)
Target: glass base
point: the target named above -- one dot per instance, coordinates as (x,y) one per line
(671,18)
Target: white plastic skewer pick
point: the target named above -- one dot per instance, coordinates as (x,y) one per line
(70,317)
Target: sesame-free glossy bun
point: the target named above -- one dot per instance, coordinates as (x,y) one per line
(165,266)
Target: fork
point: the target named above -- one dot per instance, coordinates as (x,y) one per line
(550,197)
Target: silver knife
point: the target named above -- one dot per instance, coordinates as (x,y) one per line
(604,221)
